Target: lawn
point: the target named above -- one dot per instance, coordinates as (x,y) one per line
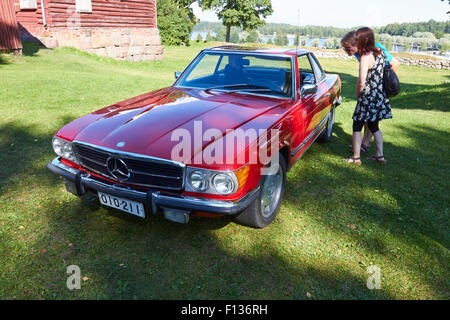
(336,220)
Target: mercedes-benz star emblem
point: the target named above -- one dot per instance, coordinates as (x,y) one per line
(117,168)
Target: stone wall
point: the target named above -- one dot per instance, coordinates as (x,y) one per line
(428,63)
(137,44)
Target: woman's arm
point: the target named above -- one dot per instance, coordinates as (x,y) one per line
(394,64)
(364,64)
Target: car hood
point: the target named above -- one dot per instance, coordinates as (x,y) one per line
(152,124)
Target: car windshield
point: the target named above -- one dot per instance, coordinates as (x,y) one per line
(254,74)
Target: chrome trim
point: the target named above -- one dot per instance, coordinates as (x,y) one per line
(250,53)
(116,171)
(210,174)
(133,156)
(129,155)
(91,160)
(311,135)
(154,175)
(158,198)
(204,201)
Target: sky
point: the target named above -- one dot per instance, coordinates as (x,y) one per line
(349,13)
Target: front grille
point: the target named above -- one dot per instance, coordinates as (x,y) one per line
(146,172)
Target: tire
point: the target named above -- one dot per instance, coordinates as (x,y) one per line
(254,216)
(326,135)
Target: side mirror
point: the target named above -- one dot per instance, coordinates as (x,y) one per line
(177,74)
(308,89)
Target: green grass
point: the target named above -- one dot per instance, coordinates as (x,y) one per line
(336,220)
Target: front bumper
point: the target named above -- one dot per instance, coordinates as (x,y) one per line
(151,199)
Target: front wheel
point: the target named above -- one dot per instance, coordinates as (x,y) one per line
(264,209)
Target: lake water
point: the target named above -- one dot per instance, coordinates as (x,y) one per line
(291,39)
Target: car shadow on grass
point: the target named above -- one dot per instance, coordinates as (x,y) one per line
(164,260)
(24,151)
(384,208)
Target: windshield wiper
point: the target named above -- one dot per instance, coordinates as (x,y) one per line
(262,89)
(244,85)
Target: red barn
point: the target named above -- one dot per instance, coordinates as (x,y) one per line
(120,29)
(9,33)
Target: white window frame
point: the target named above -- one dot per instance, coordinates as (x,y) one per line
(28,4)
(83,5)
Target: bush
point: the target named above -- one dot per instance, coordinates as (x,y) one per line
(175,22)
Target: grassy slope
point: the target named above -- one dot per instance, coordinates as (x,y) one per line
(335,221)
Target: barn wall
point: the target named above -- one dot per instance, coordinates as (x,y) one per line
(105,13)
(9,32)
(120,29)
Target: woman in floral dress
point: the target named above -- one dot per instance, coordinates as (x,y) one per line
(372,104)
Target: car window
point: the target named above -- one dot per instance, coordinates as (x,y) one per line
(224,61)
(317,68)
(205,67)
(261,74)
(305,70)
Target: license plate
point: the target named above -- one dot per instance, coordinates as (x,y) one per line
(133,207)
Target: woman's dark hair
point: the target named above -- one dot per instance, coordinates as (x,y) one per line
(365,39)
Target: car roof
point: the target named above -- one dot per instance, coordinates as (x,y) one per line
(238,48)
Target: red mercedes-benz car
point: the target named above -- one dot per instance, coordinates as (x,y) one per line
(217,142)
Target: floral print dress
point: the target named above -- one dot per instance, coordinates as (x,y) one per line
(373,105)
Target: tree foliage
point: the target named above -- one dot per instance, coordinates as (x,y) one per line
(408,29)
(253,37)
(247,14)
(175,21)
(281,39)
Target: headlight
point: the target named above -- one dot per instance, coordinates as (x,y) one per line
(223,183)
(58,146)
(211,181)
(198,180)
(63,148)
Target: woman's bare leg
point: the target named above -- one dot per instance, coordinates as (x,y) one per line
(367,135)
(356,142)
(379,142)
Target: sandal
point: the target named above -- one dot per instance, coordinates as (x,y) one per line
(352,160)
(364,148)
(379,159)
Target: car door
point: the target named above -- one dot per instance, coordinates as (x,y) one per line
(323,93)
(307,110)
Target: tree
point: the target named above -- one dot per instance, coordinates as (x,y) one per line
(253,37)
(209,37)
(316,43)
(247,14)
(221,35)
(389,44)
(281,39)
(199,37)
(175,21)
(297,40)
(269,41)
(234,37)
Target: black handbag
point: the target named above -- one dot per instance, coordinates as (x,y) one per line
(390,82)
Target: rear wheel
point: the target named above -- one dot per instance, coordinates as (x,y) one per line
(325,136)
(264,209)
